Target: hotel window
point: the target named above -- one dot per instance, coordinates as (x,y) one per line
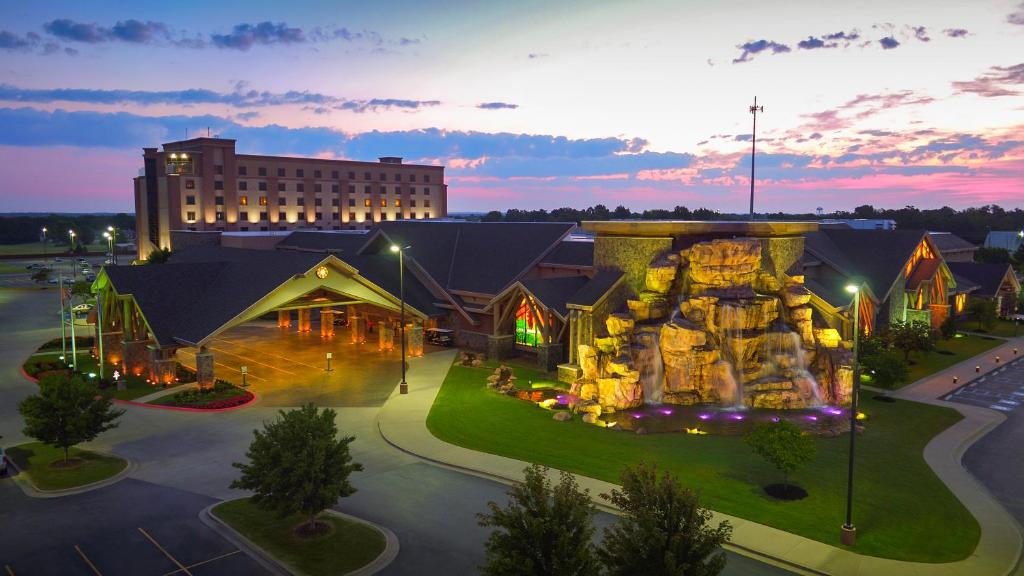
(178,164)
(351,175)
(318,202)
(351,216)
(301,201)
(412,177)
(412,203)
(398,202)
(412,190)
(262,170)
(282,228)
(335,188)
(282,215)
(528,326)
(426,203)
(367,176)
(280,187)
(426,177)
(351,189)
(367,203)
(426,214)
(300,187)
(383,176)
(282,201)
(334,202)
(398,177)
(317,174)
(351,201)
(190,200)
(263,215)
(218,200)
(190,184)
(243,200)
(220,215)
(300,173)
(218,184)
(243,185)
(334,174)
(412,215)
(319,215)
(243,216)
(280,172)
(262,186)
(368,216)
(218,169)
(190,216)
(243,171)
(398,216)
(263,200)
(383,202)
(366,189)
(426,190)
(317,188)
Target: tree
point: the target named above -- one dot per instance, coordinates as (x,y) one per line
(81,288)
(67,411)
(783,445)
(983,311)
(992,255)
(886,367)
(41,275)
(298,464)
(915,336)
(949,326)
(544,530)
(663,529)
(159,256)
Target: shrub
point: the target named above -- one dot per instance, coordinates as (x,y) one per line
(887,368)
(784,445)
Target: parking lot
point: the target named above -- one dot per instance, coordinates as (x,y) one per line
(1002,389)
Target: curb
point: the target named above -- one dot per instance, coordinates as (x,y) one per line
(30,489)
(275,566)
(187,409)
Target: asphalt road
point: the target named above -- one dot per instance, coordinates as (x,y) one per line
(184,463)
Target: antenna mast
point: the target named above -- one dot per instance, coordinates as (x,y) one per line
(753,148)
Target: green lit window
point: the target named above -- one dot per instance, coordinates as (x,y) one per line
(528,326)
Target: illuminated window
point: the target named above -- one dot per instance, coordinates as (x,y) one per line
(367,203)
(190,216)
(263,200)
(528,326)
(960,302)
(190,184)
(398,202)
(243,200)
(383,202)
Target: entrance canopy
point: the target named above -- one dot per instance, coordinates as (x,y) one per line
(205,290)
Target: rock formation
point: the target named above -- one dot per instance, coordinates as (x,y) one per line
(712,325)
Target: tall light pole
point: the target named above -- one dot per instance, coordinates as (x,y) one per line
(848,536)
(110,245)
(113,243)
(74,270)
(44,244)
(403,388)
(753,147)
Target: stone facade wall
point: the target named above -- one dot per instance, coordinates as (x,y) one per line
(501,347)
(549,356)
(472,340)
(631,255)
(781,255)
(919,316)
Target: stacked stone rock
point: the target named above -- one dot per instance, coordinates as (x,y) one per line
(740,336)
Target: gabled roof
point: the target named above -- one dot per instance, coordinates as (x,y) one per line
(571,253)
(988,277)
(924,271)
(479,257)
(594,291)
(948,243)
(555,293)
(876,256)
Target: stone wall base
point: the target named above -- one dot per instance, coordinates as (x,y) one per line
(135,357)
(549,356)
(501,347)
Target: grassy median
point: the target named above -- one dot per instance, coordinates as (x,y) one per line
(348,546)
(948,353)
(45,467)
(902,510)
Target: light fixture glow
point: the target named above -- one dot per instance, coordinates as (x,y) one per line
(395,248)
(851,289)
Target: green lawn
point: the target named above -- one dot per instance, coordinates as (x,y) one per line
(902,510)
(35,459)
(349,546)
(135,386)
(6,268)
(964,346)
(1002,328)
(50,249)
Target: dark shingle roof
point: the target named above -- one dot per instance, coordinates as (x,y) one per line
(596,288)
(988,277)
(343,242)
(948,242)
(482,257)
(876,256)
(572,253)
(555,292)
(963,284)
(834,294)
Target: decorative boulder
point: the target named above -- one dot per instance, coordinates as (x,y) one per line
(606,345)
(639,310)
(621,365)
(827,337)
(590,418)
(753,314)
(722,263)
(796,295)
(562,416)
(621,392)
(661,274)
(588,361)
(619,324)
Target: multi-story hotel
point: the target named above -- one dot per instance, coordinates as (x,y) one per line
(201,184)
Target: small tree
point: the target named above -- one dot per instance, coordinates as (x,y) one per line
(983,311)
(159,256)
(41,275)
(910,337)
(67,411)
(663,529)
(887,368)
(784,445)
(81,288)
(298,464)
(544,530)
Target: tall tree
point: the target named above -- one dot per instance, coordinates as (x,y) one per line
(544,530)
(914,336)
(663,529)
(67,411)
(299,464)
(983,311)
(159,256)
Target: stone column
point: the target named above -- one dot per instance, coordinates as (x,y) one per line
(284,318)
(304,319)
(113,350)
(134,357)
(549,356)
(204,368)
(326,323)
(414,339)
(357,328)
(162,365)
(385,336)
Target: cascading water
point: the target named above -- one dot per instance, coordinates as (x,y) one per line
(732,345)
(647,358)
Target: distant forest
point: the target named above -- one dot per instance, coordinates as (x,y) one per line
(972,224)
(24,229)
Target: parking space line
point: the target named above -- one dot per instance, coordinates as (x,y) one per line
(232,553)
(87,561)
(180,566)
(250,360)
(268,354)
(233,369)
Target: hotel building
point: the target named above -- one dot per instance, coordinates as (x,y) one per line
(201,184)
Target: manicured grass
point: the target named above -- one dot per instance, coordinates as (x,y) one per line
(135,386)
(349,546)
(964,346)
(6,268)
(35,459)
(901,509)
(1002,328)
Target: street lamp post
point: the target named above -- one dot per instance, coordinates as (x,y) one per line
(112,241)
(403,388)
(849,531)
(44,244)
(74,270)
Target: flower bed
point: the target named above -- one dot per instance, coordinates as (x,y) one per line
(222,396)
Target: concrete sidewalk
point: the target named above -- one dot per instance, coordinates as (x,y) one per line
(402,422)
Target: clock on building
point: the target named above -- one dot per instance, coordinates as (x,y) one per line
(321,272)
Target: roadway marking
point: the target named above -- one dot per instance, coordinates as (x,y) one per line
(205,561)
(248,359)
(87,561)
(1003,408)
(268,354)
(233,369)
(180,566)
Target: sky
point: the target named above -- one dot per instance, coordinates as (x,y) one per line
(531,104)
